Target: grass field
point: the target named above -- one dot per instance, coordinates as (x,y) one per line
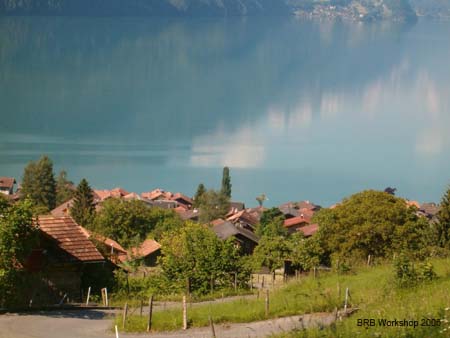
(371,290)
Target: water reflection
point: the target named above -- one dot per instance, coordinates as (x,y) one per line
(354,105)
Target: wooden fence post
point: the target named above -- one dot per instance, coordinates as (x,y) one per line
(314,272)
(346,300)
(262,283)
(188,286)
(267,303)
(125,313)
(235,282)
(184,313)
(88,295)
(150,312)
(117,332)
(141,307)
(368,260)
(213,331)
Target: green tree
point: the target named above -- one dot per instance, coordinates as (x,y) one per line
(131,222)
(226,182)
(18,236)
(194,253)
(261,199)
(271,252)
(305,253)
(198,194)
(64,188)
(83,209)
(213,205)
(372,222)
(443,225)
(271,223)
(38,184)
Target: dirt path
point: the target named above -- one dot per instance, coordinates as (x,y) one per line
(97,324)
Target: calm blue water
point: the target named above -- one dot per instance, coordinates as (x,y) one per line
(297,109)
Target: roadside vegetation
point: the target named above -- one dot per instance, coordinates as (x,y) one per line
(375,291)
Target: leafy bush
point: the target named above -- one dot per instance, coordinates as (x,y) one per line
(406,273)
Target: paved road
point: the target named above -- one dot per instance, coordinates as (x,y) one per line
(97,324)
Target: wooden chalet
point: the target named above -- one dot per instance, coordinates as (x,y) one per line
(62,259)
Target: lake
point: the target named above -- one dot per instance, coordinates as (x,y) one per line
(299,110)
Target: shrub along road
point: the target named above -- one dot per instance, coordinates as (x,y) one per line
(97,324)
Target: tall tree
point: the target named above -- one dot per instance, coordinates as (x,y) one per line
(64,188)
(39,185)
(198,194)
(83,208)
(226,182)
(443,226)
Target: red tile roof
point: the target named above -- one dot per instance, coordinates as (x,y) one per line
(148,247)
(70,237)
(309,230)
(296,221)
(7,182)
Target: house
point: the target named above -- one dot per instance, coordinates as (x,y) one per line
(294,209)
(157,194)
(101,195)
(235,207)
(164,204)
(244,220)
(148,253)
(243,238)
(192,215)
(182,200)
(64,257)
(294,223)
(309,230)
(7,185)
(63,210)
(430,210)
(256,213)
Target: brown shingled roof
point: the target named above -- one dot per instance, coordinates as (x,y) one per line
(70,238)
